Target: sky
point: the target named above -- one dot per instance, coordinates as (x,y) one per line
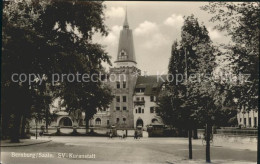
(155,26)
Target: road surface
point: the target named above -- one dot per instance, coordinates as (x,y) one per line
(104,150)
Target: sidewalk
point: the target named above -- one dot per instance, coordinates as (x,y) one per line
(186,161)
(24,142)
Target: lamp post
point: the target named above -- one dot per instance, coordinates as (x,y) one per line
(189,128)
(36,127)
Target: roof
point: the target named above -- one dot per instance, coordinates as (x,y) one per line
(126,25)
(157,124)
(126,44)
(150,83)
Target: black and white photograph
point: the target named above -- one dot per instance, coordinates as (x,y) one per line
(145,82)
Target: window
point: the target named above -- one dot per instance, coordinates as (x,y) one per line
(117,108)
(142,110)
(255,122)
(124,84)
(139,110)
(122,55)
(107,122)
(124,108)
(135,110)
(98,121)
(139,90)
(117,98)
(137,98)
(117,120)
(124,120)
(245,121)
(142,98)
(250,124)
(151,98)
(151,109)
(124,98)
(117,84)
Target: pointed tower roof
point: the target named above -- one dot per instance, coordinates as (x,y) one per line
(126,52)
(126,25)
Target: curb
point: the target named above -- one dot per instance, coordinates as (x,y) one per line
(26,144)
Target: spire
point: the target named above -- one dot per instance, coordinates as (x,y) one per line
(126,22)
(126,51)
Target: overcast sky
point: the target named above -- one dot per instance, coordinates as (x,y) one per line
(155,26)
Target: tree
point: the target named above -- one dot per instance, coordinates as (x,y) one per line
(42,98)
(83,17)
(241,22)
(52,37)
(172,113)
(193,57)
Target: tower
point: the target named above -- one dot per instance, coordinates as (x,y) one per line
(125,75)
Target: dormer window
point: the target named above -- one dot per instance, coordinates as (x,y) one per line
(139,90)
(122,55)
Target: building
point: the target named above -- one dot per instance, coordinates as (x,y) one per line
(247,119)
(135,95)
(124,74)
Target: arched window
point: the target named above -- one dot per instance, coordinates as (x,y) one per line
(65,121)
(124,120)
(98,121)
(117,120)
(139,122)
(154,120)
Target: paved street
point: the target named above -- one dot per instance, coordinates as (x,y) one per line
(145,150)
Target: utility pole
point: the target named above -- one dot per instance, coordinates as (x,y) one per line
(208,133)
(46,113)
(36,128)
(189,128)
(45,95)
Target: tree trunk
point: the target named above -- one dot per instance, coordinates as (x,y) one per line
(15,130)
(258,128)
(5,121)
(195,133)
(208,133)
(36,132)
(23,134)
(87,122)
(190,143)
(46,120)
